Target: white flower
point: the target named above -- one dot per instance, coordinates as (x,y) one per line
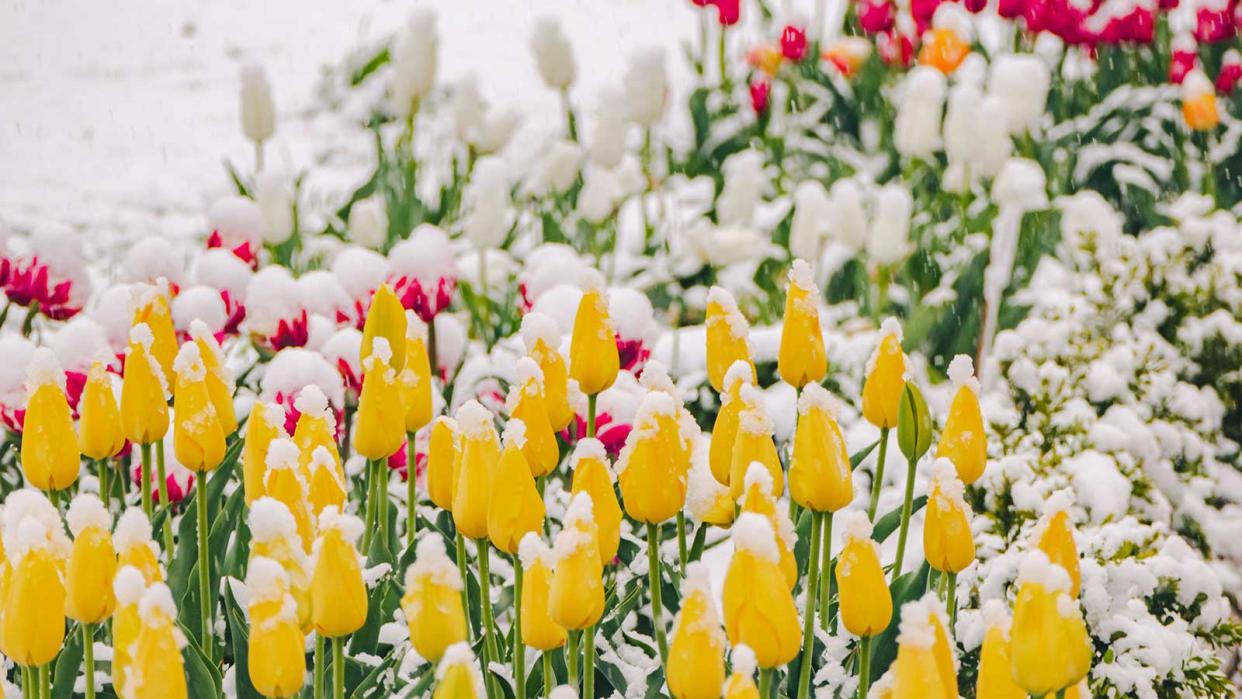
(258,111)
(975,138)
(467,106)
(645,83)
(274,195)
(476,123)
(744,183)
(414,62)
(889,241)
(848,221)
(1020,83)
(236,220)
(599,195)
(553,55)
(812,217)
(1020,186)
(917,129)
(487,203)
(556,171)
(606,144)
(720,246)
(368,222)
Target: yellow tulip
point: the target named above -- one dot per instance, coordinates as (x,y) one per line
(386,320)
(802,358)
(327,484)
(443,461)
(338,595)
(516,507)
(593,359)
(758,607)
(697,646)
(286,483)
(277,657)
(741,684)
(526,403)
(542,340)
(727,333)
(128,588)
(1199,108)
(1049,648)
(135,547)
(964,441)
(820,475)
(654,465)
(754,442)
(995,680)
(724,431)
(916,674)
(315,428)
(153,311)
(416,386)
(50,457)
(33,625)
(866,604)
(576,593)
(92,562)
(457,675)
(886,378)
(592,475)
(274,535)
(944,50)
(265,424)
(432,601)
(99,425)
(1054,535)
(539,631)
(947,540)
(220,384)
(707,500)
(380,429)
(198,437)
(157,671)
(480,454)
(144,390)
(757,498)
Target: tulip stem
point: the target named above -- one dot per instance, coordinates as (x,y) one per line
(26,682)
(318,666)
(204,588)
(45,684)
(461,568)
(519,649)
(88,658)
(548,679)
(588,661)
(490,651)
(905,519)
(338,667)
(591,414)
(952,603)
(369,516)
(103,478)
(683,555)
(411,492)
(765,682)
(828,578)
(653,571)
(571,659)
(808,618)
(165,503)
(145,477)
(864,666)
(878,480)
(381,473)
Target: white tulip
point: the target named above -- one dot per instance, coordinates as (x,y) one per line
(415,57)
(599,194)
(849,214)
(1020,83)
(258,111)
(917,128)
(889,241)
(556,171)
(368,222)
(812,217)
(553,54)
(1020,186)
(487,202)
(274,195)
(606,143)
(744,183)
(646,85)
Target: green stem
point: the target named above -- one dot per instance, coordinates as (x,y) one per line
(879,474)
(653,572)
(952,603)
(319,644)
(26,683)
(338,667)
(571,122)
(864,666)
(382,471)
(205,599)
(765,682)
(490,651)
(165,503)
(571,659)
(519,650)
(548,680)
(103,479)
(411,492)
(723,58)
(461,569)
(45,684)
(369,515)
(905,519)
(144,475)
(591,414)
(827,579)
(808,616)
(588,661)
(88,658)
(683,554)
(485,303)
(432,353)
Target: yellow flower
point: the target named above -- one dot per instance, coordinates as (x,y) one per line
(650,468)
(576,593)
(697,646)
(1054,535)
(128,587)
(947,540)
(157,671)
(385,319)
(416,377)
(964,441)
(33,625)
(338,595)
(277,655)
(92,562)
(153,311)
(327,482)
(198,437)
(886,378)
(266,423)
(526,403)
(480,454)
(99,426)
(1199,102)
(315,429)
(144,390)
(866,604)
(1049,649)
(274,535)
(724,431)
(134,546)
(944,50)
(380,429)
(802,358)
(757,498)
(916,674)
(593,359)
(542,340)
(767,58)
(443,461)
(820,475)
(539,631)
(220,384)
(754,442)
(516,508)
(286,483)
(758,607)
(741,684)
(592,475)
(50,456)
(432,601)
(727,338)
(457,675)
(995,680)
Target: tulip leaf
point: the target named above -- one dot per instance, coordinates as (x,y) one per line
(802,544)
(908,587)
(201,677)
(239,639)
(372,679)
(886,525)
(65,673)
(380,604)
(861,455)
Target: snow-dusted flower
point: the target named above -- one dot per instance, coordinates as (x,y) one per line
(237,225)
(258,111)
(368,222)
(557,169)
(487,205)
(743,188)
(849,213)
(888,242)
(1020,83)
(275,197)
(606,140)
(414,62)
(1020,186)
(646,87)
(812,220)
(422,271)
(721,246)
(916,132)
(553,55)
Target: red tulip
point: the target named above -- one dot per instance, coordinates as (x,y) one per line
(876,16)
(793,43)
(728,11)
(759,90)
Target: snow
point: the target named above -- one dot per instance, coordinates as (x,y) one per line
(87,510)
(743,659)
(1037,569)
(270,521)
(474,421)
(347,525)
(816,397)
(188,364)
(532,548)
(295,368)
(916,627)
(459,654)
(537,327)
(282,453)
(753,533)
(266,581)
(44,370)
(202,304)
(433,564)
(132,529)
(514,434)
(128,586)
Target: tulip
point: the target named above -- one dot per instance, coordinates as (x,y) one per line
(443,462)
(385,319)
(92,561)
(947,540)
(994,680)
(885,378)
(153,311)
(758,606)
(593,358)
(539,630)
(1054,536)
(542,339)
(819,470)
(314,430)
(964,441)
(696,650)
(276,650)
(144,401)
(456,675)
(515,508)
(866,604)
(754,442)
(33,624)
(917,670)
(654,464)
(944,50)
(802,358)
(480,453)
(198,436)
(914,439)
(100,434)
(1049,649)
(265,424)
(416,388)
(592,475)
(526,403)
(727,337)
(432,601)
(274,535)
(220,384)
(128,587)
(381,416)
(724,431)
(338,594)
(286,483)
(757,498)
(157,670)
(49,452)
(576,592)
(135,547)
(1199,108)
(741,684)
(258,110)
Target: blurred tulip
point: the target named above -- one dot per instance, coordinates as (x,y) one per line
(153,311)
(542,342)
(157,670)
(220,384)
(274,535)
(1049,649)
(277,658)
(793,43)
(385,319)
(1199,102)
(757,498)
(724,431)
(944,50)
(754,442)
(1054,535)
(741,684)
(135,547)
(415,377)
(457,676)
(994,680)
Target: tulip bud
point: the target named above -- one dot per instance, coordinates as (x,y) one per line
(480,453)
(758,607)
(99,429)
(593,358)
(727,337)
(866,603)
(526,403)
(286,482)
(153,311)
(757,498)
(925,667)
(820,474)
(432,601)
(964,441)
(576,593)
(724,431)
(144,390)
(914,425)
(650,468)
(274,535)
(457,675)
(128,587)
(416,385)
(947,540)
(50,457)
(741,684)
(338,595)
(1054,535)
(754,442)
(943,50)
(220,384)
(33,625)
(707,500)
(380,430)
(258,111)
(539,631)
(326,484)
(1199,102)
(886,377)
(995,680)
(553,55)
(315,429)
(92,562)
(802,358)
(385,319)
(157,671)
(266,423)
(198,438)
(415,60)
(277,657)
(542,340)
(135,547)
(516,508)
(697,645)
(1049,649)
(443,460)
(592,475)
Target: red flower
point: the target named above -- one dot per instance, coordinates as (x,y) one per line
(243,252)
(236,312)
(895,49)
(876,16)
(759,90)
(426,303)
(1180,64)
(176,493)
(353,380)
(633,354)
(793,43)
(13,418)
(25,285)
(1213,25)
(975,6)
(1228,78)
(290,332)
(922,11)
(399,462)
(611,434)
(1011,9)
(728,11)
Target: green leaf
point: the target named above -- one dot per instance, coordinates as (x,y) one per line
(908,587)
(201,677)
(886,525)
(67,664)
(861,455)
(239,637)
(380,605)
